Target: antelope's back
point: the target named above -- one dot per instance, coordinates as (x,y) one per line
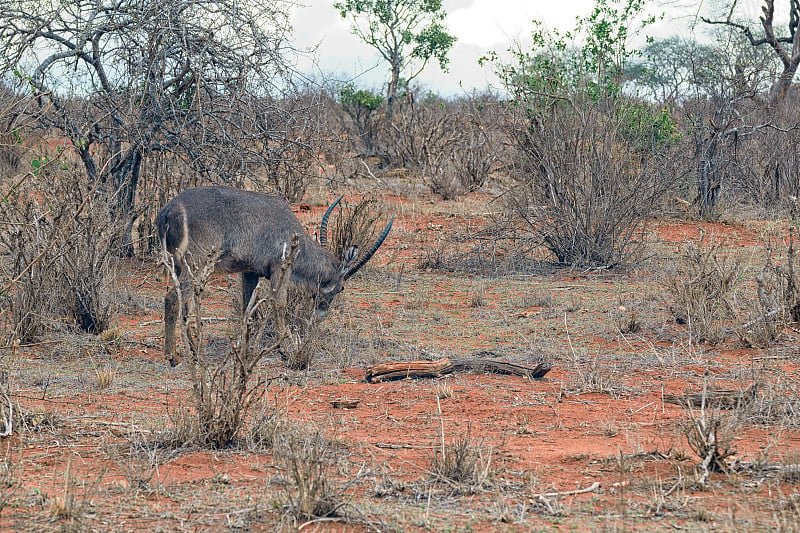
(244,225)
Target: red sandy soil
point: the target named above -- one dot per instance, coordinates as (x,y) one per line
(547,435)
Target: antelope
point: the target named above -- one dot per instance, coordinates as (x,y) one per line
(249,232)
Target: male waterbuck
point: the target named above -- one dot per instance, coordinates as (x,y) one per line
(249,232)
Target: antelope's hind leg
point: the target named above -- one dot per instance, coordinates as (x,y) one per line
(170,321)
(171,309)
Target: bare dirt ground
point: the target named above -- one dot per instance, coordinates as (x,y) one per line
(89,453)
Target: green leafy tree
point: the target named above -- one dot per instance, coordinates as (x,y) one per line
(362,107)
(407,34)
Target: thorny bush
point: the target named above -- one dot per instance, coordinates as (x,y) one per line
(58,263)
(702,290)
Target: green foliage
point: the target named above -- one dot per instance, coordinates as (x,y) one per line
(607,29)
(362,98)
(648,127)
(433,41)
(363,107)
(38,163)
(557,67)
(397,23)
(589,150)
(407,34)
(557,72)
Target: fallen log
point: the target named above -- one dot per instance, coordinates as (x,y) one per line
(447,365)
(409,369)
(715,398)
(495,366)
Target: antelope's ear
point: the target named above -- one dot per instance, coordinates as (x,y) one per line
(350,256)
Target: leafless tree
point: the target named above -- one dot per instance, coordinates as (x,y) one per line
(453,143)
(717,90)
(202,82)
(786,46)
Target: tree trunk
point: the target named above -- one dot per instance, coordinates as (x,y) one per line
(394,83)
(784,82)
(125,178)
(708,179)
(89,164)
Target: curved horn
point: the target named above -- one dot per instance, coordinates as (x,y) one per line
(361,262)
(323,225)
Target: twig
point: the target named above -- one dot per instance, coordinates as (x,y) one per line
(319,521)
(591,488)
(369,171)
(54,238)
(392,446)
(40,343)
(761,318)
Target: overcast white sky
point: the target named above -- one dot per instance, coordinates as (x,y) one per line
(479,25)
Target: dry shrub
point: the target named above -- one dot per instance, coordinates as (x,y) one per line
(449,143)
(361,118)
(356,224)
(626,319)
(787,513)
(593,375)
(306,459)
(182,429)
(480,150)
(291,170)
(138,459)
(778,302)
(11,141)
(710,433)
(226,390)
(702,290)
(222,391)
(463,463)
(56,235)
(10,155)
(590,162)
(10,475)
(766,166)
(497,250)
(302,342)
(267,425)
(776,404)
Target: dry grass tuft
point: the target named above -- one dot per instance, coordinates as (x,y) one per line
(478,296)
(306,458)
(71,504)
(710,433)
(444,390)
(702,291)
(463,463)
(104,377)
